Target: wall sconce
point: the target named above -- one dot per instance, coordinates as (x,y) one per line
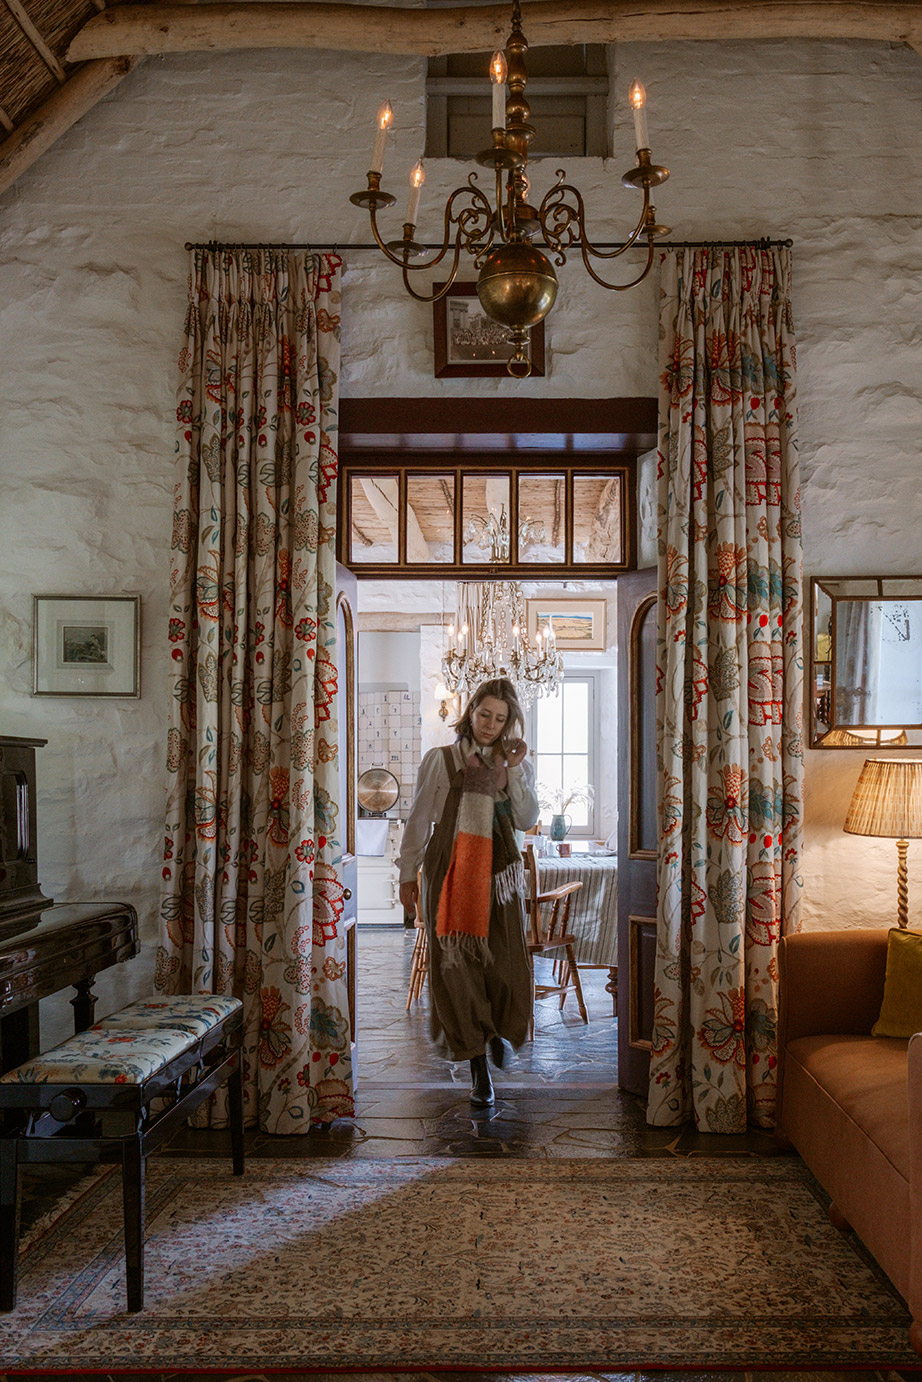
(443,694)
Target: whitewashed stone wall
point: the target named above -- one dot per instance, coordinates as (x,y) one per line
(819,142)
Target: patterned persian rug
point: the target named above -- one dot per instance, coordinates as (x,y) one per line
(436,1263)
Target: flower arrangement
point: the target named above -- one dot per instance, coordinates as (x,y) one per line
(560,799)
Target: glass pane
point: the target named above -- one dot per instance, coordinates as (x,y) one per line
(576,775)
(597,535)
(549,723)
(542,501)
(878,662)
(486,518)
(548,782)
(576,717)
(373,531)
(430,518)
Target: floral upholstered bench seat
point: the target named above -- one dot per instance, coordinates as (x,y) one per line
(117,1091)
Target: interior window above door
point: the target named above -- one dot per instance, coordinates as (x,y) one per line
(402,518)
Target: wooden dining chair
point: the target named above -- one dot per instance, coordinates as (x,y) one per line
(419,960)
(548,933)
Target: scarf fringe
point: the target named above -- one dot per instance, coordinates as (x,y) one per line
(457,946)
(510,883)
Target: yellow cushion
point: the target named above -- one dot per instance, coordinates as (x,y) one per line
(901,1010)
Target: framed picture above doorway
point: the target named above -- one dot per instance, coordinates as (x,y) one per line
(467,344)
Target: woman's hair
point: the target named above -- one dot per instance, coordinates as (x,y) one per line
(501,689)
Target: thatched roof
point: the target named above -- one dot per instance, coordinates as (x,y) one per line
(59,57)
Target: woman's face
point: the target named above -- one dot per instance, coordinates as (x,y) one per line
(489,720)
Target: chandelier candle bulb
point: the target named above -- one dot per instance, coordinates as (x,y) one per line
(498,78)
(638,100)
(417,178)
(383,123)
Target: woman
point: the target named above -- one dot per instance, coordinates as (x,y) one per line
(475,794)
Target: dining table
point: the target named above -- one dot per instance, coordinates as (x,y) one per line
(593,910)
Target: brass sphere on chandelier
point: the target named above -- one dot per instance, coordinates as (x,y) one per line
(517,286)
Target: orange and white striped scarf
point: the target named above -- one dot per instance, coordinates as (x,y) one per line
(485,862)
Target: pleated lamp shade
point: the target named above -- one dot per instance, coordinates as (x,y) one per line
(887,799)
(839,738)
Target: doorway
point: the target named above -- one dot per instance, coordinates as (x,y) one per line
(402,631)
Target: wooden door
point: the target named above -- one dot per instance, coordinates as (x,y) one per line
(346,588)
(637,825)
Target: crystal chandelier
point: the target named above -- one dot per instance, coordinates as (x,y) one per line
(492,637)
(493,531)
(492,641)
(517,284)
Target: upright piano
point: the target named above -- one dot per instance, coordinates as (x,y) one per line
(44,947)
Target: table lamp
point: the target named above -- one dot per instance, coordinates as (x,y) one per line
(888,802)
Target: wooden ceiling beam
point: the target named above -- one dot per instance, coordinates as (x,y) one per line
(182,28)
(64,107)
(33,37)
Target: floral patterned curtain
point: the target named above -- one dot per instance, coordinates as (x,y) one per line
(251,900)
(729,683)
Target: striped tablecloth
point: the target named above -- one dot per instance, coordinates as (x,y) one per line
(594,911)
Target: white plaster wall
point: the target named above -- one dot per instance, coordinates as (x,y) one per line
(816,141)
(435,730)
(388,659)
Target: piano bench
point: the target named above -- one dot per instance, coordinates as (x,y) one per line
(117,1092)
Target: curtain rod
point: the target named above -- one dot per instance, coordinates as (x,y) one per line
(603,245)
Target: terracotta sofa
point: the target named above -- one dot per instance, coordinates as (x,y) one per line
(851,1103)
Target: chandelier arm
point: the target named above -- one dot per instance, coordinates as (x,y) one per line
(437,295)
(557,217)
(632,239)
(473,223)
(620,287)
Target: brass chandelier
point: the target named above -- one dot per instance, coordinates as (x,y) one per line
(517,283)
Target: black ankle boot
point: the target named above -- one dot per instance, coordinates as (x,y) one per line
(482,1095)
(497,1051)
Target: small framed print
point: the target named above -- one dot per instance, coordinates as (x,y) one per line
(86,645)
(577,624)
(469,345)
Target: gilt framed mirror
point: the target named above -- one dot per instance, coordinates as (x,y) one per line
(865,662)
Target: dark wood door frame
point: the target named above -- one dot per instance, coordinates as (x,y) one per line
(637,827)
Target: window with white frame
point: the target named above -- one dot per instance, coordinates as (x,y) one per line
(563,739)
